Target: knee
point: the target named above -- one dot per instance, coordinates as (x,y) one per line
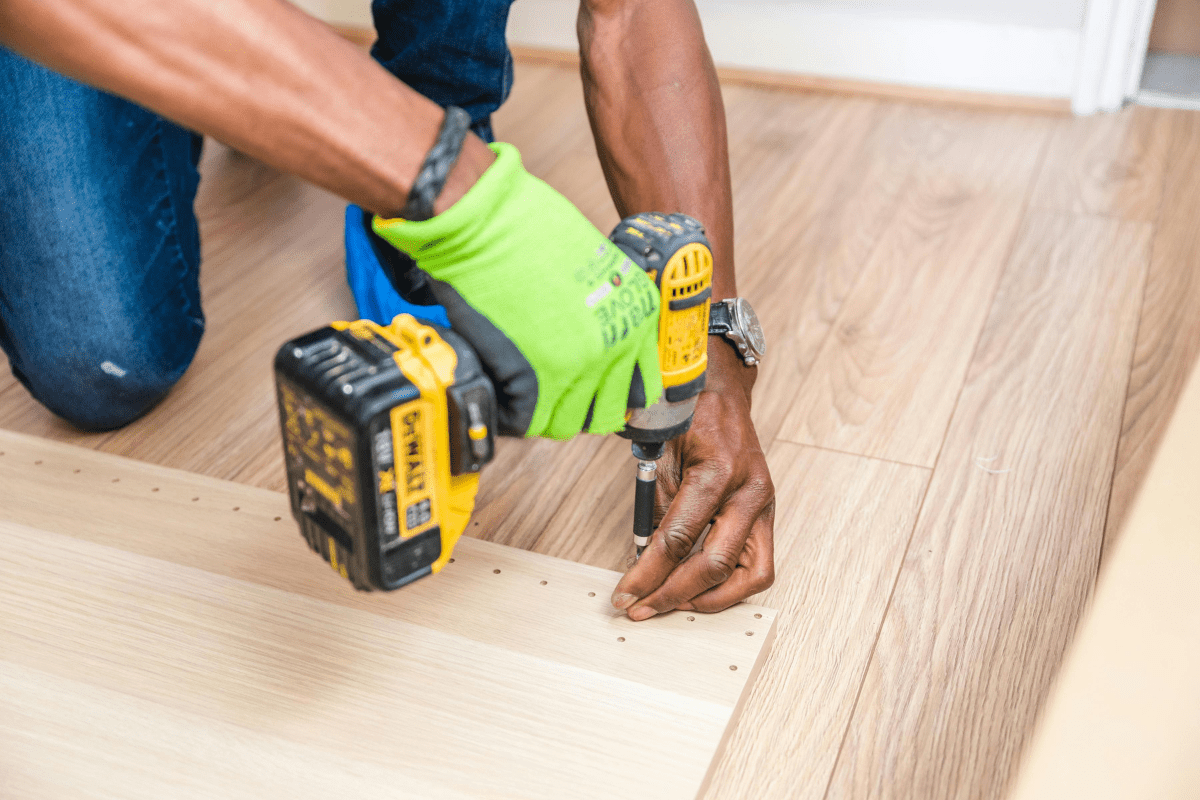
(100,384)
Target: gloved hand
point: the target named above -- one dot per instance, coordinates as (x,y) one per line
(557,313)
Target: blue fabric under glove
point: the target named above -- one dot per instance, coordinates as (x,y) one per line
(374,294)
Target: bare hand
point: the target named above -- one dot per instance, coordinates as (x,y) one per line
(716,472)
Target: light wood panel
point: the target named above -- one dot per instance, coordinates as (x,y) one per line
(1005,550)
(840,538)
(1111,164)
(1168,340)
(1122,722)
(885,382)
(195,600)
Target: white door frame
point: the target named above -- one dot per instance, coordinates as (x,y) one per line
(1115,37)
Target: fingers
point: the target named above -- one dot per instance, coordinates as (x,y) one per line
(755,573)
(699,497)
(567,418)
(713,565)
(611,397)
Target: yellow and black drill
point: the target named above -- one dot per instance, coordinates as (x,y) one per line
(385,429)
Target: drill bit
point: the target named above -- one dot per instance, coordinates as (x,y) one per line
(643,496)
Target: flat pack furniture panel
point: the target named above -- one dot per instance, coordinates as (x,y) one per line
(170,635)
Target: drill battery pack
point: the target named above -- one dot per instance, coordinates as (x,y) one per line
(385,430)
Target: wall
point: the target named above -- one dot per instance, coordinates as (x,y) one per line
(1021,47)
(1024,47)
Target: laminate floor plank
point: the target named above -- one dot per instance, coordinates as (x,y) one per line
(840,540)
(1109,164)
(1168,342)
(885,381)
(1006,547)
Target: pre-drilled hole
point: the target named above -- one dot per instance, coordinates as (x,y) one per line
(76,472)
(691,619)
(237,508)
(452,561)
(194,499)
(620,638)
(495,572)
(749,633)
(591,594)
(278,518)
(733,667)
(155,489)
(38,462)
(542,583)
(758,616)
(116,480)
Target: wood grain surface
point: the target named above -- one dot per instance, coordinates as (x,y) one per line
(1168,340)
(886,379)
(1004,553)
(924,604)
(1122,722)
(161,602)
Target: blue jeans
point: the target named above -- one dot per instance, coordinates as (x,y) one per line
(99,246)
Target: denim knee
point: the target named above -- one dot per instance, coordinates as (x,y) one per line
(99,383)
(99,246)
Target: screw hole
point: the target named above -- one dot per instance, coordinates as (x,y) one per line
(37,463)
(691,619)
(155,489)
(758,616)
(543,583)
(733,667)
(452,561)
(116,480)
(76,472)
(237,508)
(495,572)
(749,633)
(620,638)
(194,499)
(591,594)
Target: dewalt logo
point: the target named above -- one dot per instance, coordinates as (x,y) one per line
(411,453)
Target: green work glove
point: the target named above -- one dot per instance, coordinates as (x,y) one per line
(559,316)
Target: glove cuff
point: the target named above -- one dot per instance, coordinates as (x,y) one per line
(488,193)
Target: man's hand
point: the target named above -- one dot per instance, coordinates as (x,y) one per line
(557,313)
(716,472)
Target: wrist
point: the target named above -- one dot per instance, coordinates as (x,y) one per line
(726,369)
(473,161)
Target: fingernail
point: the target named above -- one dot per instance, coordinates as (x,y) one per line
(685,607)
(623,601)
(639,614)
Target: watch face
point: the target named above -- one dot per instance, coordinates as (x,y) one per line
(747,321)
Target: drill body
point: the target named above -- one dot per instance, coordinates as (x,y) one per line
(673,250)
(385,429)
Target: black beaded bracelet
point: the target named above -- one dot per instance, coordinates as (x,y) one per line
(438,163)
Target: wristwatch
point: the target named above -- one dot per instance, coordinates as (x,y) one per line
(736,321)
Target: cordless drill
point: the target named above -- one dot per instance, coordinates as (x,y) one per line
(385,429)
(672,248)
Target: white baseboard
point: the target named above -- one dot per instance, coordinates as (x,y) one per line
(848,43)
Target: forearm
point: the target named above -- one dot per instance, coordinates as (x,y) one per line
(260,75)
(656,112)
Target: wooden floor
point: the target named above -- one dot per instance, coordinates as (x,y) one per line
(979,323)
